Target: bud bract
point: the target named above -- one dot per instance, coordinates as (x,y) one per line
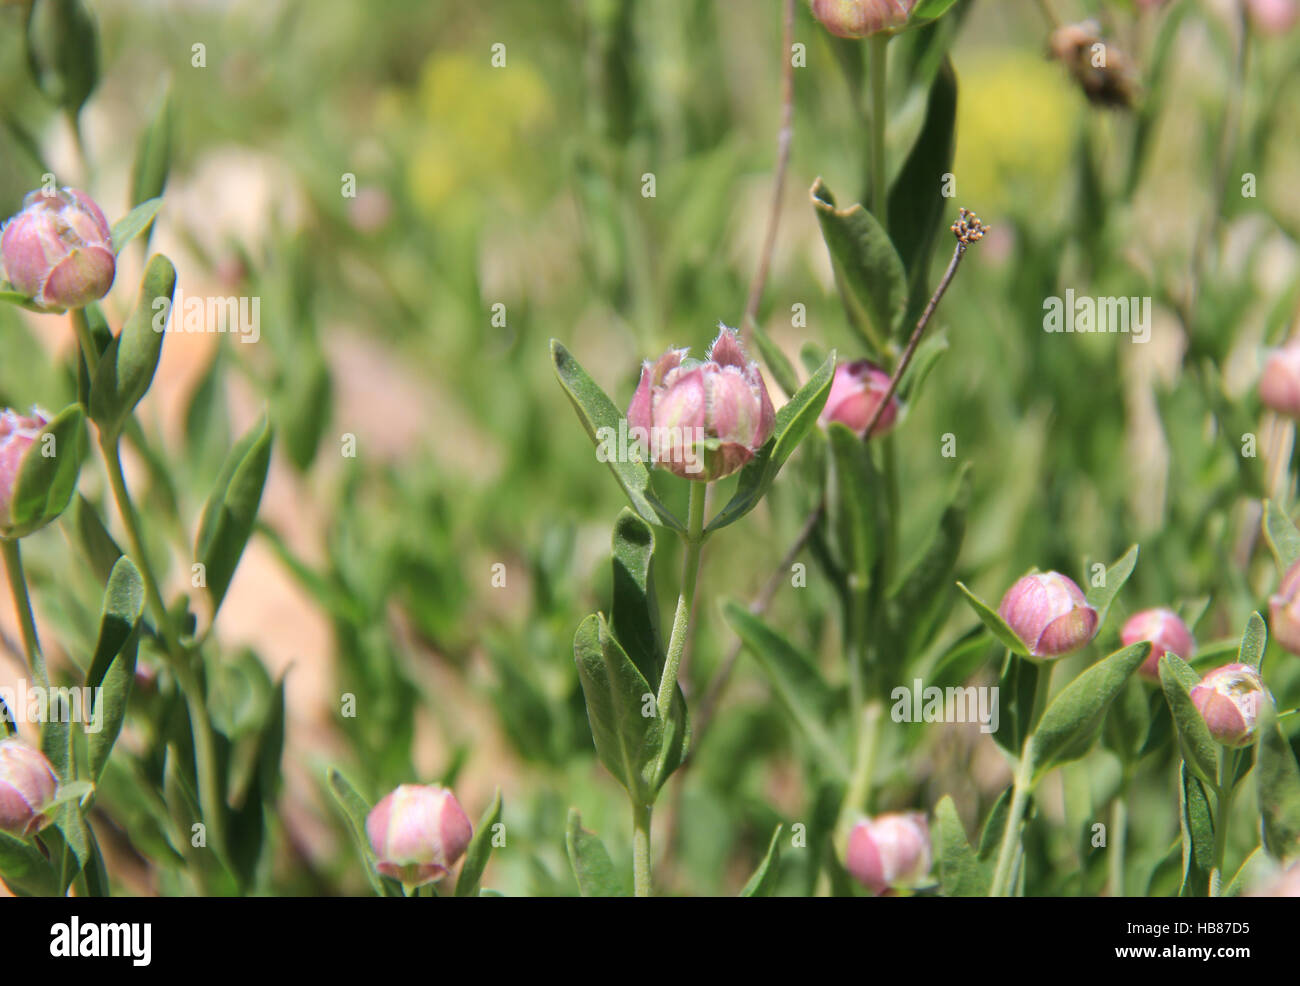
(862,18)
(17,434)
(1228,699)
(702,420)
(58,250)
(1049,613)
(27,785)
(856,391)
(418,832)
(889,851)
(1165,631)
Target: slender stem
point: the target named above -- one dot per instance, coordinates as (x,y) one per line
(858,794)
(1118,835)
(641,849)
(685,599)
(23,603)
(879,48)
(79,141)
(1023,784)
(205,753)
(89,351)
(1223,799)
(784,139)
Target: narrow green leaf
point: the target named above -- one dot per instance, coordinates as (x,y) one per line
(1282,537)
(112,669)
(47,476)
(1277,779)
(852,505)
(134,223)
(1253,641)
(1100,597)
(1197,826)
(763,882)
(994,826)
(990,618)
(793,422)
(776,362)
(480,849)
(928,10)
(601,420)
(1073,718)
(960,872)
(88,531)
(1200,752)
(590,861)
(868,270)
(231,510)
(795,680)
(922,591)
(63,51)
(25,869)
(153,156)
(127,367)
(628,737)
(355,809)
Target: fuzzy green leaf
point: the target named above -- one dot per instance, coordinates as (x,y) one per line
(991,619)
(1200,752)
(1100,597)
(112,670)
(480,849)
(1277,780)
(763,882)
(1282,537)
(47,477)
(590,861)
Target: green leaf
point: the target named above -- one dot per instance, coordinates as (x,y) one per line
(1197,826)
(590,861)
(83,524)
(304,406)
(990,618)
(924,589)
(47,476)
(231,510)
(1200,752)
(1277,779)
(628,742)
(916,201)
(960,871)
(1100,597)
(1253,641)
(781,369)
(763,882)
(25,869)
(1073,719)
(795,680)
(112,669)
(868,270)
(63,51)
(928,10)
(1282,537)
(134,223)
(852,503)
(601,420)
(793,422)
(480,848)
(153,156)
(634,619)
(355,809)
(995,825)
(127,367)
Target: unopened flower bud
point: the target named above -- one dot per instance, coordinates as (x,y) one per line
(1049,613)
(856,391)
(702,420)
(862,18)
(418,833)
(1165,631)
(27,785)
(889,851)
(1273,16)
(1228,699)
(59,250)
(16,437)
(1284,611)
(1104,72)
(1279,384)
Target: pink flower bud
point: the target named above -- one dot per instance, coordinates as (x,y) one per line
(702,420)
(856,391)
(862,18)
(890,850)
(27,784)
(1279,384)
(1284,611)
(1228,699)
(1165,631)
(1049,613)
(16,436)
(59,250)
(1284,884)
(1273,16)
(418,833)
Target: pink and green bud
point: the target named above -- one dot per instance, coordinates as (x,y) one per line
(889,851)
(1166,632)
(1273,16)
(856,392)
(1284,611)
(862,18)
(17,434)
(27,785)
(704,420)
(418,832)
(1049,613)
(59,250)
(1279,384)
(1228,699)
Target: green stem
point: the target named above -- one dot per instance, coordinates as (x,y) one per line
(26,618)
(205,754)
(1007,852)
(641,849)
(89,351)
(1118,834)
(879,48)
(685,599)
(1223,799)
(858,794)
